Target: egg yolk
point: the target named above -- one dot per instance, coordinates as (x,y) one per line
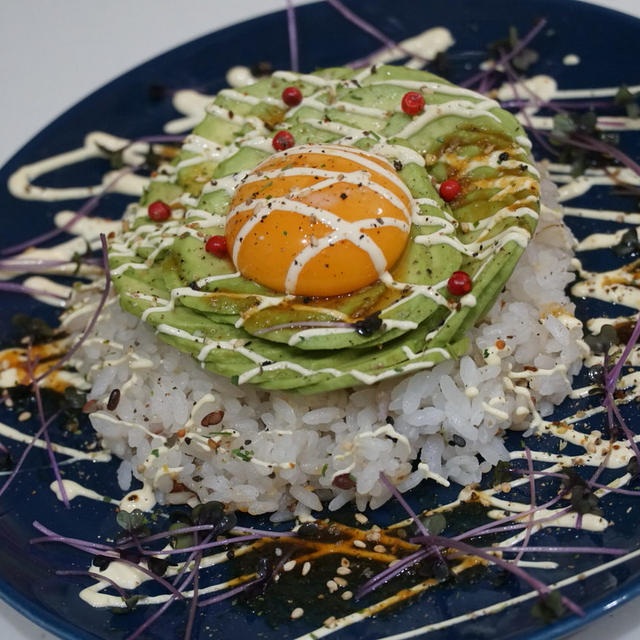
(319,220)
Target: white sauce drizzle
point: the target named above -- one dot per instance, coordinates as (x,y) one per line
(192,105)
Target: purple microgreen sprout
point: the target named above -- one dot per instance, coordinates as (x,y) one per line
(96,576)
(391,572)
(608,551)
(403,503)
(82,212)
(30,264)
(110,552)
(532,493)
(51,536)
(31,369)
(367,27)
(26,451)
(513,83)
(15,287)
(194,597)
(202,546)
(507,57)
(591,482)
(185,583)
(491,558)
(92,202)
(468,549)
(304,325)
(489,527)
(497,528)
(92,323)
(231,592)
(292,30)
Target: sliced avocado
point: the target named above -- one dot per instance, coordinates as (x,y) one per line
(408,320)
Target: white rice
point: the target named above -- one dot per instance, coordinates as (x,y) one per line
(296,445)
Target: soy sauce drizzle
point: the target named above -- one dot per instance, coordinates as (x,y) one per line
(596,449)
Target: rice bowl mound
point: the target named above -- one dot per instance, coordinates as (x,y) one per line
(195,436)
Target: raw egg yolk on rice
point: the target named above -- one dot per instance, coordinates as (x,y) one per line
(319,220)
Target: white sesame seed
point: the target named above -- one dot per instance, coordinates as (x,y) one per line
(379,548)
(344,562)
(298,612)
(278,551)
(306,567)
(373,536)
(343,571)
(25,415)
(332,586)
(359,544)
(289,565)
(347,595)
(361,518)
(341,582)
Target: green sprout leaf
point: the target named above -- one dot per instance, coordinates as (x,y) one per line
(549,608)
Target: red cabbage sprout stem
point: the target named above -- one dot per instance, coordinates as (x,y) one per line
(52,536)
(96,576)
(194,598)
(203,546)
(591,483)
(608,551)
(157,139)
(185,583)
(147,572)
(151,619)
(31,368)
(27,264)
(265,533)
(403,503)
(599,146)
(15,287)
(103,550)
(622,422)
(488,528)
(26,451)
(292,30)
(363,62)
(92,322)
(302,325)
(556,105)
(513,80)
(516,527)
(391,572)
(532,491)
(229,594)
(611,377)
(456,543)
(505,58)
(468,549)
(209,527)
(408,509)
(91,204)
(370,29)
(82,212)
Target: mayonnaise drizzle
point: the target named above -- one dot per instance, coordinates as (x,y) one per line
(601,286)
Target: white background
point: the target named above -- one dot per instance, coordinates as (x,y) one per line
(53,53)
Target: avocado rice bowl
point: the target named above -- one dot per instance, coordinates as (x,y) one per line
(233,392)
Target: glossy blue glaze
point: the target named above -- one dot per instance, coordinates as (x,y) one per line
(27,573)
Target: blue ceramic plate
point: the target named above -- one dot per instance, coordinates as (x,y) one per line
(123,107)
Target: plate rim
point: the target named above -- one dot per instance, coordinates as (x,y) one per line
(62,627)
